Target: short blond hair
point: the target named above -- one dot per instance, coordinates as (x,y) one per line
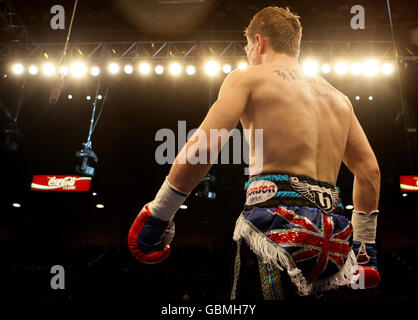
(280,26)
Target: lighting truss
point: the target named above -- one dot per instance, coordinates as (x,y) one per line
(189,50)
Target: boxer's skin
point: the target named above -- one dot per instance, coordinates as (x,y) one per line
(309,127)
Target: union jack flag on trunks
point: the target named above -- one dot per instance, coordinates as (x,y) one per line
(313,246)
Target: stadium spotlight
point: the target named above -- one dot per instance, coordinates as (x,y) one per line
(341,67)
(48,69)
(175,69)
(33,70)
(17,68)
(212,68)
(159,69)
(70,97)
(128,69)
(190,70)
(387,68)
(326,68)
(355,68)
(242,65)
(95,71)
(144,68)
(371,68)
(63,70)
(78,69)
(227,68)
(113,68)
(310,67)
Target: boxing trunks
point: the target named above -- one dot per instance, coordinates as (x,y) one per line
(295,224)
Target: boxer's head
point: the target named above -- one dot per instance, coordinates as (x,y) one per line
(275,29)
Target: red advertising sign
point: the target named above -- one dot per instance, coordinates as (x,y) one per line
(60,183)
(409,183)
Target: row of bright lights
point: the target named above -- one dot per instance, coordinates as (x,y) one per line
(368,68)
(98,206)
(79,69)
(99,97)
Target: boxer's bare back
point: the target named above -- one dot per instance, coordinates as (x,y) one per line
(305,121)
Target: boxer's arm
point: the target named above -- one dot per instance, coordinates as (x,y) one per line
(225,113)
(361,161)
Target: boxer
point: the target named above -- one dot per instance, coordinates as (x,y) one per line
(292,219)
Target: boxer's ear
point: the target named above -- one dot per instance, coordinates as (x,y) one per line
(261,41)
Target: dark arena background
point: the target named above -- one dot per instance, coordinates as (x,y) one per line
(86,232)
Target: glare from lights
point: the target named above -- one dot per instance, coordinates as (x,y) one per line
(144,68)
(128,69)
(326,68)
(17,68)
(99,97)
(99,206)
(95,71)
(242,65)
(78,69)
(355,68)
(212,68)
(227,68)
(70,96)
(310,67)
(357,98)
(190,70)
(63,70)
(371,68)
(159,69)
(349,207)
(88,98)
(16,205)
(94,194)
(113,68)
(404,195)
(48,69)
(370,98)
(175,69)
(183,206)
(341,67)
(33,70)
(387,68)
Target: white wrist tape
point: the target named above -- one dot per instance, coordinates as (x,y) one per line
(364,226)
(167,201)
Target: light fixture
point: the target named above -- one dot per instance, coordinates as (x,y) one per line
(387,68)
(242,65)
(48,69)
(33,70)
(341,67)
(226,68)
(326,68)
(175,69)
(78,69)
(371,68)
(128,69)
(355,68)
(190,70)
(113,68)
(144,68)
(159,69)
(310,67)
(70,97)
(95,71)
(17,68)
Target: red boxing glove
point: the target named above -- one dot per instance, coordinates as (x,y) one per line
(149,237)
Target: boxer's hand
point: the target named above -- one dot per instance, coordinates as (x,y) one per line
(149,237)
(366,254)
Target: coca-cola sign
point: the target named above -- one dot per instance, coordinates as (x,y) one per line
(409,183)
(60,183)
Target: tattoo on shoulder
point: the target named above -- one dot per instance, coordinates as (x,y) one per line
(293,74)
